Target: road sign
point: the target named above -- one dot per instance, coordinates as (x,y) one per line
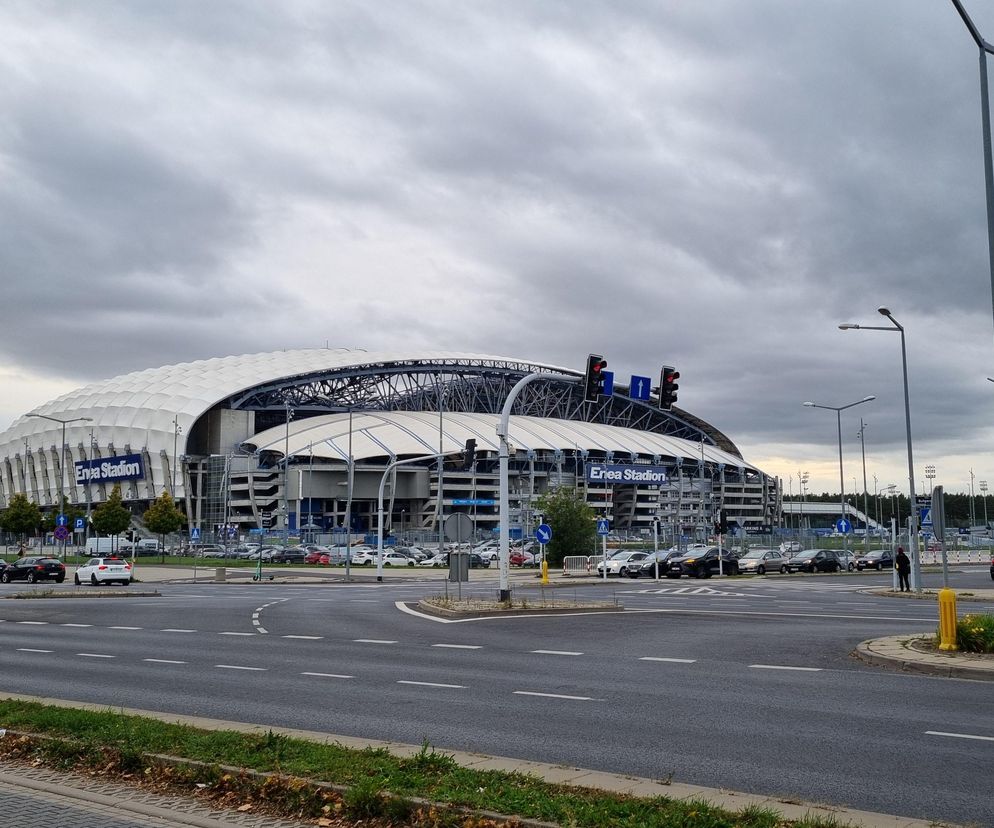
(844,526)
(195,533)
(79,524)
(638,388)
(472,501)
(603,526)
(925,513)
(458,527)
(607,387)
(543,533)
(62,532)
(61,520)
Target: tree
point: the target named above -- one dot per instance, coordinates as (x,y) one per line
(572,521)
(162,518)
(111,517)
(22,517)
(71,512)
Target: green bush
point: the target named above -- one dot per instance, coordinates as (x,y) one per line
(975,633)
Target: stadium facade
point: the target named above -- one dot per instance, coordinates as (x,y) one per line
(301,440)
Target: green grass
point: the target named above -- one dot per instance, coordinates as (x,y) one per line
(107,739)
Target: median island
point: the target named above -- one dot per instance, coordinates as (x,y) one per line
(447,606)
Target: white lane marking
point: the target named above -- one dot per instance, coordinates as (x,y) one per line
(30,650)
(363,601)
(237,633)
(372,641)
(764,613)
(304,637)
(95,655)
(34,623)
(163,661)
(672,660)
(327,675)
(959,735)
(556,652)
(182,631)
(124,628)
(236,667)
(434,684)
(75,625)
(782,667)
(459,646)
(554,696)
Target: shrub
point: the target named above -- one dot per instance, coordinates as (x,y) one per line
(975,633)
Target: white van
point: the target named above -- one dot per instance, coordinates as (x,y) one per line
(99,547)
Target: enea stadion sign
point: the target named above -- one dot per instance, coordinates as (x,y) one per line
(110,469)
(633,475)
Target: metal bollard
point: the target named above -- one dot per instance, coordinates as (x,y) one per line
(947,620)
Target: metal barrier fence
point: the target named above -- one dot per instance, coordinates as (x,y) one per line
(956,556)
(576,565)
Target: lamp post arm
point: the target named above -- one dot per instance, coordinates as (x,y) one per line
(982,44)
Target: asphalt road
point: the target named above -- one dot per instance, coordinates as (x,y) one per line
(743,683)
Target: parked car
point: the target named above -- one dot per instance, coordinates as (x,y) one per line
(364,557)
(703,564)
(647,568)
(33,570)
(621,562)
(478,561)
(878,559)
(992,569)
(791,547)
(392,558)
(438,559)
(103,571)
(315,556)
(207,550)
(291,555)
(762,561)
(521,558)
(815,560)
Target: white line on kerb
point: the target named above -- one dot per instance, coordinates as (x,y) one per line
(459,646)
(553,696)
(372,641)
(236,667)
(163,661)
(555,652)
(433,684)
(671,660)
(327,675)
(781,667)
(959,735)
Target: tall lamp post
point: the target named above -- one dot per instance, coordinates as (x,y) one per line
(930,476)
(838,409)
(62,460)
(983,490)
(866,489)
(916,570)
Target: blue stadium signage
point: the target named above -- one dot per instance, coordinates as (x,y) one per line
(626,475)
(110,469)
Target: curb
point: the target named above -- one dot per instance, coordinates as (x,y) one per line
(895,651)
(445,612)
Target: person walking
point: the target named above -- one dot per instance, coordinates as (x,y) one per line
(903,564)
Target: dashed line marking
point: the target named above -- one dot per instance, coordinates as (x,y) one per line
(556,652)
(75,625)
(434,684)
(237,667)
(959,735)
(458,646)
(237,633)
(124,628)
(180,631)
(163,661)
(783,667)
(327,675)
(31,650)
(33,623)
(304,637)
(372,641)
(554,696)
(671,660)
(95,655)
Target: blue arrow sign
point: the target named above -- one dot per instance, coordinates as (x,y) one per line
(61,520)
(603,526)
(194,533)
(844,526)
(638,388)
(543,533)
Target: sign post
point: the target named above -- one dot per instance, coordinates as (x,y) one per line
(603,528)
(543,534)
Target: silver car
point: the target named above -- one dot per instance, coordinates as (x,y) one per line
(762,561)
(620,562)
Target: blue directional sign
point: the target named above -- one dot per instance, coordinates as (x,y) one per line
(61,520)
(638,388)
(844,526)
(543,533)
(195,533)
(473,501)
(79,524)
(607,383)
(603,526)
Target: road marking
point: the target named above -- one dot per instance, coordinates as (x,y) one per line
(372,641)
(433,684)
(672,660)
(237,633)
(554,696)
(458,646)
(236,667)
(555,652)
(327,675)
(34,623)
(959,735)
(363,601)
(304,637)
(781,667)
(163,661)
(182,631)
(95,655)
(30,650)
(124,628)
(75,625)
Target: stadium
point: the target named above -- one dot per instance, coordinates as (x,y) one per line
(301,441)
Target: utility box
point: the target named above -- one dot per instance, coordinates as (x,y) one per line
(458,566)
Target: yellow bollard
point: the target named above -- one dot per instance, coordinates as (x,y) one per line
(545,571)
(947,620)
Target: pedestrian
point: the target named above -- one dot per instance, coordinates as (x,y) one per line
(903,564)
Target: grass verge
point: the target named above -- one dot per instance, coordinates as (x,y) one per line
(331,784)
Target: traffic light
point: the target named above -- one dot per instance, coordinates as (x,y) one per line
(723,522)
(469,457)
(668,387)
(593,382)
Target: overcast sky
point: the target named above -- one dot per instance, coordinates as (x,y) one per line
(714,185)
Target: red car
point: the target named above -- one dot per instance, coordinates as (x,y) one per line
(315,558)
(521,559)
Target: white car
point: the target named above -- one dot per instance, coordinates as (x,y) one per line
(364,557)
(396,559)
(104,571)
(438,559)
(619,563)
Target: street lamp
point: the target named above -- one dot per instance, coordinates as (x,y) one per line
(838,409)
(866,489)
(983,488)
(62,461)
(930,476)
(912,528)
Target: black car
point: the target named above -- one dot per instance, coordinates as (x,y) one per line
(291,555)
(815,560)
(478,561)
(703,564)
(33,570)
(880,559)
(647,568)
(992,569)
